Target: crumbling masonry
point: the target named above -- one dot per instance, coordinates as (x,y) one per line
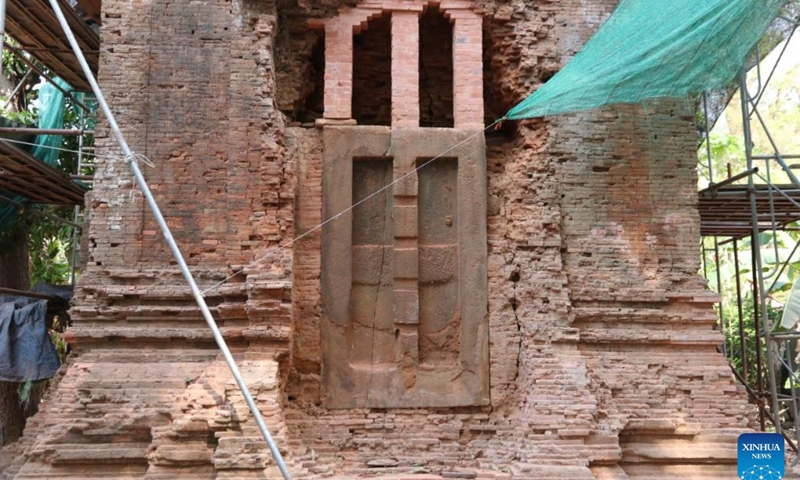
(526,304)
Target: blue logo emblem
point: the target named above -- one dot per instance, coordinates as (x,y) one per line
(761,456)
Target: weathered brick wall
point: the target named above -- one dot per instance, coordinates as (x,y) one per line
(602,353)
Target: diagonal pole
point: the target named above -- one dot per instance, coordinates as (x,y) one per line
(187,275)
(2,24)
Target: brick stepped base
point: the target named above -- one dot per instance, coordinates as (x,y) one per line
(421,475)
(152,414)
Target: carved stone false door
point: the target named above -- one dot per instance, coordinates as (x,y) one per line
(404,272)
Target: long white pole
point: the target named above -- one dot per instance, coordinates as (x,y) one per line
(3,25)
(187,275)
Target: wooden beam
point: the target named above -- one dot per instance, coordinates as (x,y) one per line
(24,293)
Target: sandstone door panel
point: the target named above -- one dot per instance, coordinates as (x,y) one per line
(404,272)
(440,315)
(371,336)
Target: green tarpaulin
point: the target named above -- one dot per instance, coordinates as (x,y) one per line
(52,104)
(655,48)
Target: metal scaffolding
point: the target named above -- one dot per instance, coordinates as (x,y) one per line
(732,213)
(34,29)
(33,26)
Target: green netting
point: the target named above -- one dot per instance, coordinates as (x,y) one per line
(655,48)
(51,116)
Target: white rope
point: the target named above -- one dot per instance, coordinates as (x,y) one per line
(136,193)
(348,209)
(51,148)
(133,157)
(140,158)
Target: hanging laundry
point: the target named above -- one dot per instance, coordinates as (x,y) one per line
(26,351)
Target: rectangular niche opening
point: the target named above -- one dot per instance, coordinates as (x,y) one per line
(372,73)
(435,69)
(439,298)
(371,332)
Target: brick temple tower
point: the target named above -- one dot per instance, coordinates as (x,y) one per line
(526,305)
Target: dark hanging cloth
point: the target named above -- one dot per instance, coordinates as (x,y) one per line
(26,351)
(54,305)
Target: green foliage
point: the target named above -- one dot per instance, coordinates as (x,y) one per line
(50,247)
(14,69)
(49,243)
(725,150)
(24,117)
(734,344)
(24,391)
(776,248)
(60,343)
(75,118)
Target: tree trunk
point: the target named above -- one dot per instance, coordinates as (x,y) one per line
(13,274)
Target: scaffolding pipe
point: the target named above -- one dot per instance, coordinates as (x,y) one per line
(19,85)
(792,385)
(786,43)
(171,241)
(756,246)
(783,192)
(716,186)
(67,132)
(793,22)
(754,396)
(774,226)
(705,265)
(708,140)
(725,329)
(756,187)
(774,157)
(77,211)
(742,333)
(784,264)
(778,157)
(47,78)
(757,333)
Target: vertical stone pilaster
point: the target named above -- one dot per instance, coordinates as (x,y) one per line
(405,293)
(467,70)
(338,70)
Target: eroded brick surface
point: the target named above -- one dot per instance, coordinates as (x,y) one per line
(602,360)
